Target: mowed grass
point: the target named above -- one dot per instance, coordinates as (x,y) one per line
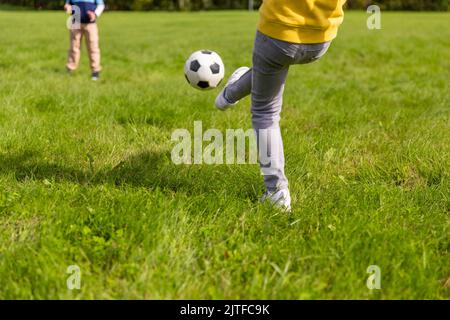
(86,176)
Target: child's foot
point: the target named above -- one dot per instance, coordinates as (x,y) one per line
(95,76)
(280,199)
(222,102)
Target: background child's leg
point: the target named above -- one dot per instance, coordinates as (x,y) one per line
(241,88)
(92,41)
(73,57)
(270,69)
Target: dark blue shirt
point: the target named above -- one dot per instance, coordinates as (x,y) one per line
(85,6)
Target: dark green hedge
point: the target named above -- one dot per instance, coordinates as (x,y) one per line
(229,4)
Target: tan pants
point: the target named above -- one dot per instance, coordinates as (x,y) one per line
(90,32)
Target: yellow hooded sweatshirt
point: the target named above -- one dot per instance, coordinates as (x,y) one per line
(301,21)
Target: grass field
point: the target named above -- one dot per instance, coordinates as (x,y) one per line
(86,177)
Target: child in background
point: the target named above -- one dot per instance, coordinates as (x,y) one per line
(289,32)
(88,11)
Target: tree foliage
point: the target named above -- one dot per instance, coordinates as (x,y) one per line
(229,4)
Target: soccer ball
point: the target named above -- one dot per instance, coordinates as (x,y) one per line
(204,70)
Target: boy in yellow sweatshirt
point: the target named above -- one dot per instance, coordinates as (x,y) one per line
(289,32)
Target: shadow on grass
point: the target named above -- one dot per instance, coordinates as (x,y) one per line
(148,169)
(28,166)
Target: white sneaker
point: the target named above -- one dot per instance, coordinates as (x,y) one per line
(221,102)
(95,76)
(280,199)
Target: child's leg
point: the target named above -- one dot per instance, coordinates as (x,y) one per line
(92,41)
(239,89)
(73,57)
(270,69)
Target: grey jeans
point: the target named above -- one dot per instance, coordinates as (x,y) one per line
(265,81)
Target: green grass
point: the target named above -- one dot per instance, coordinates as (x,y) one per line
(86,176)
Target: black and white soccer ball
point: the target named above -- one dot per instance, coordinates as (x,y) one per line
(204,70)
